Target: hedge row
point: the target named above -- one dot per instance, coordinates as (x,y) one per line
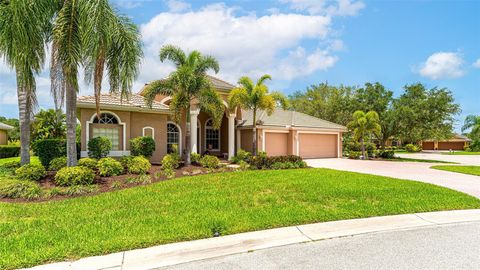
(7,151)
(48,149)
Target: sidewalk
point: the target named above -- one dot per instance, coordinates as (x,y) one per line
(182,252)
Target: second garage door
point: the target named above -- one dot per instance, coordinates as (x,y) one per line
(428,146)
(450,145)
(318,145)
(276,144)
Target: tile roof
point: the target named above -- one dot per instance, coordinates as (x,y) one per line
(134,101)
(454,138)
(5,126)
(216,83)
(284,118)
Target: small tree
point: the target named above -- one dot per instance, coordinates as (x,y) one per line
(99,147)
(363,125)
(48,124)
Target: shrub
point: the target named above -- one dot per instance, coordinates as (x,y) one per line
(32,172)
(354,155)
(48,149)
(387,154)
(125,160)
(243,165)
(411,148)
(7,151)
(141,179)
(99,147)
(81,190)
(13,164)
(109,167)
(90,163)
(78,175)
(138,165)
(195,157)
(242,155)
(142,146)
(169,163)
(13,188)
(210,162)
(265,162)
(58,163)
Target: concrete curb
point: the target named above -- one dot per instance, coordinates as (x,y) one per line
(183,252)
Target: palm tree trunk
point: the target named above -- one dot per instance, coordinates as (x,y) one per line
(187,138)
(71,121)
(254,132)
(363,148)
(24,111)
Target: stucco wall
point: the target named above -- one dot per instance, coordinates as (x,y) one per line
(3,137)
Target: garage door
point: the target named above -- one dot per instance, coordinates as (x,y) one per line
(318,145)
(450,145)
(428,146)
(276,144)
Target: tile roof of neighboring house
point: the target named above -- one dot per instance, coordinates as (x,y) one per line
(5,126)
(135,102)
(216,83)
(284,118)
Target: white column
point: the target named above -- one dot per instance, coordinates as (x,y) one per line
(193,130)
(231,135)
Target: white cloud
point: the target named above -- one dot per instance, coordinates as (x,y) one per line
(327,7)
(177,5)
(476,64)
(442,65)
(5,69)
(244,45)
(129,4)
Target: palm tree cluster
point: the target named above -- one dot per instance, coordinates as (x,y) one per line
(88,34)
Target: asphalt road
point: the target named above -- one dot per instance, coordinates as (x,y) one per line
(439,247)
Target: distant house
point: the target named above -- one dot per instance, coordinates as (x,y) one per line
(457,142)
(282,133)
(4,128)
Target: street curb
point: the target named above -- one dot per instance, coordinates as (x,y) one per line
(183,252)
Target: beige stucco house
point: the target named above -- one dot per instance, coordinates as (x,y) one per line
(284,132)
(4,128)
(456,142)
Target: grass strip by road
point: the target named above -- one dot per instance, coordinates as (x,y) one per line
(461,153)
(192,207)
(473,170)
(400,159)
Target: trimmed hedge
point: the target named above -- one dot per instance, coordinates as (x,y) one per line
(262,161)
(138,165)
(58,163)
(48,149)
(90,163)
(77,175)
(7,151)
(99,147)
(109,167)
(32,172)
(142,146)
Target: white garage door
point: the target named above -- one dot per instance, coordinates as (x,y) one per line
(318,145)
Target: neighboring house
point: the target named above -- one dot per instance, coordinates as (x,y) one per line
(284,132)
(4,128)
(457,142)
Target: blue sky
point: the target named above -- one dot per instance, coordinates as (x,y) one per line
(304,42)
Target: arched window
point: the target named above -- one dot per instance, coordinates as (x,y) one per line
(173,137)
(107,125)
(106,118)
(212,136)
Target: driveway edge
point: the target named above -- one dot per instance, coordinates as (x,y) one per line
(183,252)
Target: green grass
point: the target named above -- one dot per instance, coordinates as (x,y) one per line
(188,208)
(7,173)
(399,159)
(473,170)
(461,153)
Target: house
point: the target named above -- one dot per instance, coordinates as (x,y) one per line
(457,142)
(283,132)
(4,128)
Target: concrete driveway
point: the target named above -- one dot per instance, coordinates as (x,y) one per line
(462,159)
(417,171)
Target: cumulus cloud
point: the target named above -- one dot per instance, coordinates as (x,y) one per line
(129,4)
(178,5)
(243,44)
(442,65)
(327,7)
(476,64)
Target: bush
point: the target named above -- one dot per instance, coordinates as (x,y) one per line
(7,151)
(48,149)
(81,190)
(411,148)
(169,163)
(109,167)
(243,165)
(242,155)
(99,147)
(354,155)
(387,154)
(138,165)
(142,146)
(77,175)
(210,162)
(13,164)
(265,162)
(58,163)
(90,163)
(32,172)
(141,179)
(195,157)
(13,188)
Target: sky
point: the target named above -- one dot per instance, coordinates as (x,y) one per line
(305,42)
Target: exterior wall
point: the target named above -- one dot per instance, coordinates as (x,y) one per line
(246,140)
(3,137)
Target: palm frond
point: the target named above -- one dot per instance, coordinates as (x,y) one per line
(263,79)
(211,103)
(162,87)
(174,54)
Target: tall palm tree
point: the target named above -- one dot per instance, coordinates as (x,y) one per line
(187,83)
(363,125)
(255,97)
(472,122)
(92,34)
(23,28)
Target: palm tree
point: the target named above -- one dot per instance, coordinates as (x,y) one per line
(91,33)
(23,28)
(187,83)
(472,122)
(255,97)
(363,125)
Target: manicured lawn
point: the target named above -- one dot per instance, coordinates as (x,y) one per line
(4,172)
(419,160)
(188,208)
(474,170)
(465,153)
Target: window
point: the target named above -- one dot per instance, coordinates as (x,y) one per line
(105,118)
(111,133)
(173,137)
(212,136)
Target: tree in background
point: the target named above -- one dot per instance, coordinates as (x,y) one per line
(48,124)
(363,126)
(254,97)
(187,83)
(472,126)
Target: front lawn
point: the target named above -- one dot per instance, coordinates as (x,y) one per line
(473,170)
(191,207)
(461,153)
